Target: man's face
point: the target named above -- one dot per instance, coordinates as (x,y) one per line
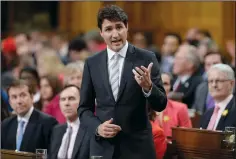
(219,85)
(75,79)
(166,82)
(114,34)
(170,45)
(20,99)
(69,102)
(211,60)
(180,61)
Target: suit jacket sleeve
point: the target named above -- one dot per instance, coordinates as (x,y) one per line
(157,100)
(86,108)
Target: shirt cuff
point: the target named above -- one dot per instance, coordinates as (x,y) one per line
(147,94)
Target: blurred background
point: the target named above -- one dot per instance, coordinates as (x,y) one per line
(48,36)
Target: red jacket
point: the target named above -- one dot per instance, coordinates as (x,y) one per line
(54,110)
(159,140)
(175,114)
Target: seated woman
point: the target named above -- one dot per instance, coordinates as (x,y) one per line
(50,86)
(158,135)
(175,114)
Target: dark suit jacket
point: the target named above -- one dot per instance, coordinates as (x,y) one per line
(189,88)
(129,111)
(228,120)
(36,136)
(200,97)
(81,147)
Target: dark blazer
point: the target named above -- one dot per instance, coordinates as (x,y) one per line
(129,111)
(36,136)
(199,103)
(228,120)
(81,147)
(189,88)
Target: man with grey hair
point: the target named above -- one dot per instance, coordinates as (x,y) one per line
(186,64)
(221,83)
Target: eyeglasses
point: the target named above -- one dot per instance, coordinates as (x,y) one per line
(218,81)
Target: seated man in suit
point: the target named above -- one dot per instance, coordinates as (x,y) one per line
(186,64)
(221,82)
(30,129)
(203,100)
(70,140)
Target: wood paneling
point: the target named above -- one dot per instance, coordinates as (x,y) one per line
(157,17)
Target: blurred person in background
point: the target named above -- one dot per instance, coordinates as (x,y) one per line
(221,82)
(186,64)
(158,135)
(50,86)
(230,47)
(192,37)
(8,50)
(175,114)
(77,51)
(172,41)
(206,43)
(60,44)
(48,63)
(139,40)
(30,75)
(18,63)
(203,100)
(72,76)
(94,41)
(5,106)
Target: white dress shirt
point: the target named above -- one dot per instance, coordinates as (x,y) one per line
(75,128)
(223,104)
(121,60)
(25,119)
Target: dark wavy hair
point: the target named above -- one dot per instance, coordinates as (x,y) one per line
(111,13)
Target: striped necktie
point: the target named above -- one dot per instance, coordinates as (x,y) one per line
(114,75)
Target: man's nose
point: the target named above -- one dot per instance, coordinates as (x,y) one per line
(115,33)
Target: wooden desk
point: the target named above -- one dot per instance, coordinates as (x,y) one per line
(11,154)
(200,144)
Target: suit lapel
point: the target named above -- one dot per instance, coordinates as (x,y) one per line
(59,137)
(30,128)
(127,69)
(221,124)
(12,133)
(104,73)
(78,140)
(208,118)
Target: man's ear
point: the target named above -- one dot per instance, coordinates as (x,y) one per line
(101,33)
(127,26)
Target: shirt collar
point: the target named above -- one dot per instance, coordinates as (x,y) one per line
(223,104)
(74,124)
(184,78)
(27,115)
(122,52)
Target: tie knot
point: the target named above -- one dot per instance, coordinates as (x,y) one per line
(217,108)
(22,122)
(69,128)
(116,56)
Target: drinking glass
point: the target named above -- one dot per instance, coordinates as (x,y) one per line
(41,153)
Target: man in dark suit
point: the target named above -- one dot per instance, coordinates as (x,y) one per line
(186,63)
(121,79)
(69,140)
(203,100)
(221,82)
(30,129)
